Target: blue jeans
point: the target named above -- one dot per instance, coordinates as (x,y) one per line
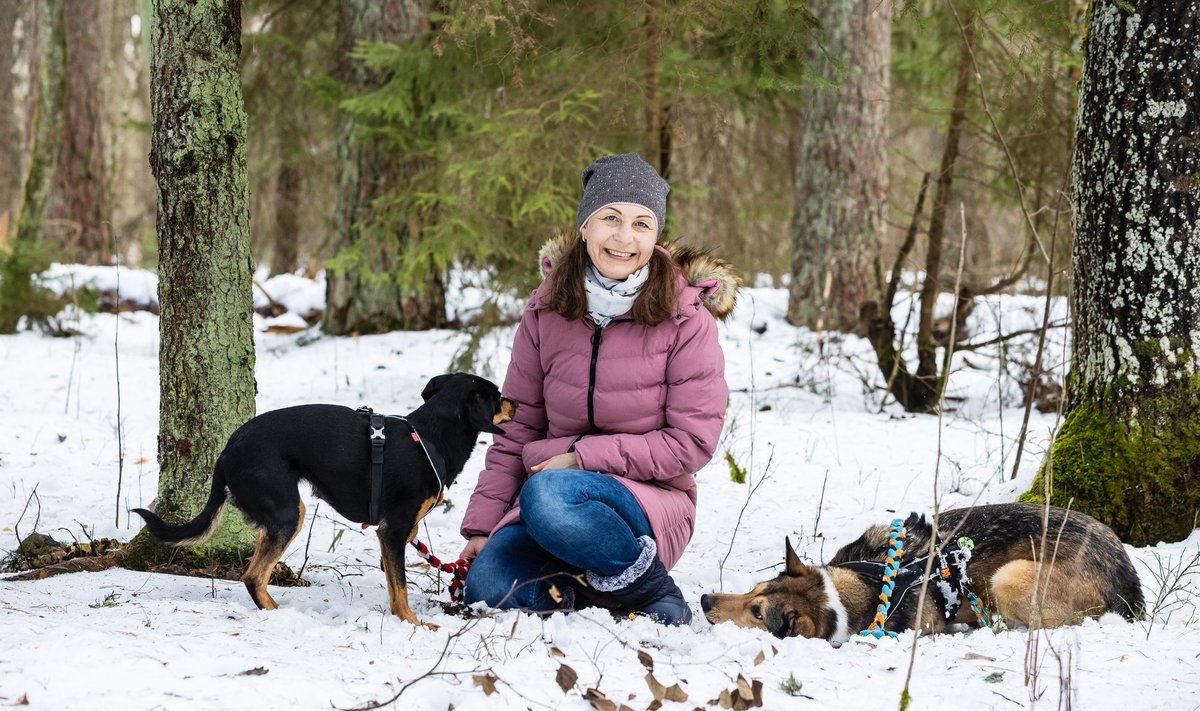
(571,521)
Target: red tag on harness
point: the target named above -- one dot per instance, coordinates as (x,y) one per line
(415,436)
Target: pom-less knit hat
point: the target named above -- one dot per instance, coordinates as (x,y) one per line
(622,178)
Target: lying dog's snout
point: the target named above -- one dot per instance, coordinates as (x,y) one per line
(706,602)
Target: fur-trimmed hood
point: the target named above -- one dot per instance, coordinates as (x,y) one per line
(714,277)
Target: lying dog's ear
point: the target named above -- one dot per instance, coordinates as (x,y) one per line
(483,412)
(793,566)
(434,385)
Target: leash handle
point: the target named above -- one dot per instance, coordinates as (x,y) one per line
(458,569)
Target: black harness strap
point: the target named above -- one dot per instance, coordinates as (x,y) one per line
(378,438)
(948,579)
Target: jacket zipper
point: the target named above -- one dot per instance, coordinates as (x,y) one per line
(596,337)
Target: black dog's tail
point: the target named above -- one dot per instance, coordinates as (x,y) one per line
(196,530)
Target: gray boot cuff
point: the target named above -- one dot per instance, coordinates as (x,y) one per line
(609,583)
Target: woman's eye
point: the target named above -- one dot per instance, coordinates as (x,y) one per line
(610,218)
(643,224)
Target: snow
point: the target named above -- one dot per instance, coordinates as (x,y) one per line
(824,463)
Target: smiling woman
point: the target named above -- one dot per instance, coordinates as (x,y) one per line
(589,497)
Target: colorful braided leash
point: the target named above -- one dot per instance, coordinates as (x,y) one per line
(458,569)
(985,617)
(890,569)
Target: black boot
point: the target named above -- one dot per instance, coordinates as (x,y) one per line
(643,588)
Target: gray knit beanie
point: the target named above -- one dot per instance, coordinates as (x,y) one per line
(622,178)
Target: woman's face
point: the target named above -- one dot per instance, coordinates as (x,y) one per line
(620,239)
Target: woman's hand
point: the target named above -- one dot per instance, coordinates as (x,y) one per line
(558,461)
(474,545)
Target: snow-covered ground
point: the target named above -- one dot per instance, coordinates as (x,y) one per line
(824,462)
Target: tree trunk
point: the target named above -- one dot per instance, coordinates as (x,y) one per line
(652,133)
(81,188)
(10,130)
(1128,451)
(841,168)
(127,98)
(363,292)
(29,255)
(206,354)
(285,247)
(927,365)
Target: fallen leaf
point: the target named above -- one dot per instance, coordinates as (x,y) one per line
(557,652)
(487,682)
(760,658)
(256,671)
(566,678)
(973,655)
(660,692)
(598,700)
(646,660)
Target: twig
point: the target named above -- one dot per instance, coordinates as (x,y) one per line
(308,541)
(1035,373)
(937,465)
(117,368)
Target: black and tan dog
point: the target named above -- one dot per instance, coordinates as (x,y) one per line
(992,553)
(329,446)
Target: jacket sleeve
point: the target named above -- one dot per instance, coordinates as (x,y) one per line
(504,473)
(695,412)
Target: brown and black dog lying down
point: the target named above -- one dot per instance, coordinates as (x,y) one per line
(1085,572)
(330,447)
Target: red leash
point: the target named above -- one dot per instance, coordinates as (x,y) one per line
(458,569)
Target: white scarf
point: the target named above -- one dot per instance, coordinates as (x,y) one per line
(608,298)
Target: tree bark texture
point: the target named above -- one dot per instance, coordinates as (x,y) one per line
(206,354)
(29,254)
(10,130)
(841,167)
(1128,451)
(127,111)
(363,292)
(81,192)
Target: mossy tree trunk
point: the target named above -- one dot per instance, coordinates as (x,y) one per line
(206,353)
(367,291)
(28,254)
(841,167)
(1128,451)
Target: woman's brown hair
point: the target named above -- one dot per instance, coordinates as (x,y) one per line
(568,297)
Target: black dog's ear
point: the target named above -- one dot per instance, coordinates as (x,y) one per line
(434,385)
(483,411)
(792,564)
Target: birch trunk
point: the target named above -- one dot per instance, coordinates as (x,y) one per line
(1128,451)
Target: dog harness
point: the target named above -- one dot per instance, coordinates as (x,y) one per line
(378,438)
(949,579)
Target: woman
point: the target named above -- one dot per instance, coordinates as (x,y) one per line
(619,382)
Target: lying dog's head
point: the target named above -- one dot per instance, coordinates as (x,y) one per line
(801,602)
(482,405)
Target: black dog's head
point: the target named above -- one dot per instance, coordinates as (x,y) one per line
(480,400)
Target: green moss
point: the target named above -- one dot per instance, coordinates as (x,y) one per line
(1135,467)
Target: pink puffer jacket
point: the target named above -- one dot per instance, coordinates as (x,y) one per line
(659,402)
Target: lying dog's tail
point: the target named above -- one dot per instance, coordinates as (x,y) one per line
(196,530)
